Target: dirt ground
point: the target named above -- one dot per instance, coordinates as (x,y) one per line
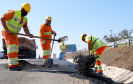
(121,57)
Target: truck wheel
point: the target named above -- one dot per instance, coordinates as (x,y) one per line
(5,53)
(34,54)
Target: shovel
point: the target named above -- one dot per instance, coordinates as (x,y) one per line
(49,61)
(64,38)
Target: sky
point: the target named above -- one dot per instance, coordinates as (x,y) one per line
(73,18)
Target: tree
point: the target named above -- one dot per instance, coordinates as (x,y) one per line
(125,34)
(106,39)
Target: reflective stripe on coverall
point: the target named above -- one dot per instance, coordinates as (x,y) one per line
(14,25)
(97,49)
(12,49)
(45,31)
(63,50)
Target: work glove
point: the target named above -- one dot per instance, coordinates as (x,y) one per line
(43,42)
(54,33)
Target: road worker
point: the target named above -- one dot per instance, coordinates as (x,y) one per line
(97,46)
(46,31)
(63,50)
(12,21)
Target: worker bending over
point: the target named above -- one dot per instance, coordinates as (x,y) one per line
(12,21)
(97,46)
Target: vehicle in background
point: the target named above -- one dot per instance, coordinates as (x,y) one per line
(61,56)
(1,54)
(27,48)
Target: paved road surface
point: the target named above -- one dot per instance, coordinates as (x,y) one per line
(62,72)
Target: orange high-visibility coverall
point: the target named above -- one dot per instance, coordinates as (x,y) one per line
(12,40)
(45,31)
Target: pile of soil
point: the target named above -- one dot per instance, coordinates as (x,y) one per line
(121,57)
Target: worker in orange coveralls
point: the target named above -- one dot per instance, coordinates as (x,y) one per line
(46,31)
(63,50)
(12,21)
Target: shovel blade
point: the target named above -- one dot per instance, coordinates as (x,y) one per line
(65,38)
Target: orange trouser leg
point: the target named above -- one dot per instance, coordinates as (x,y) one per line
(98,54)
(64,55)
(100,50)
(98,64)
(46,51)
(12,49)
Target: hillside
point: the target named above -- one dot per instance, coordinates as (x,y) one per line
(121,57)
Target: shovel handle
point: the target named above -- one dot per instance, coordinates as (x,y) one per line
(52,46)
(88,49)
(37,37)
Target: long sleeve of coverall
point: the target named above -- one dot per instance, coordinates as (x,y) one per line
(43,28)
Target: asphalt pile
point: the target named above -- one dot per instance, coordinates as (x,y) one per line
(29,66)
(26,65)
(84,64)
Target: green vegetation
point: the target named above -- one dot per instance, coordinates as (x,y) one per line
(125,34)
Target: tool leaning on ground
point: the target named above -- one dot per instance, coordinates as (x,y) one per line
(49,61)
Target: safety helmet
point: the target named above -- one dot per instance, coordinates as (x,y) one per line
(26,7)
(83,36)
(62,42)
(48,18)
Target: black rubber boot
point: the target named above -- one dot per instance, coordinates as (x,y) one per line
(43,65)
(100,73)
(49,63)
(15,68)
(94,71)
